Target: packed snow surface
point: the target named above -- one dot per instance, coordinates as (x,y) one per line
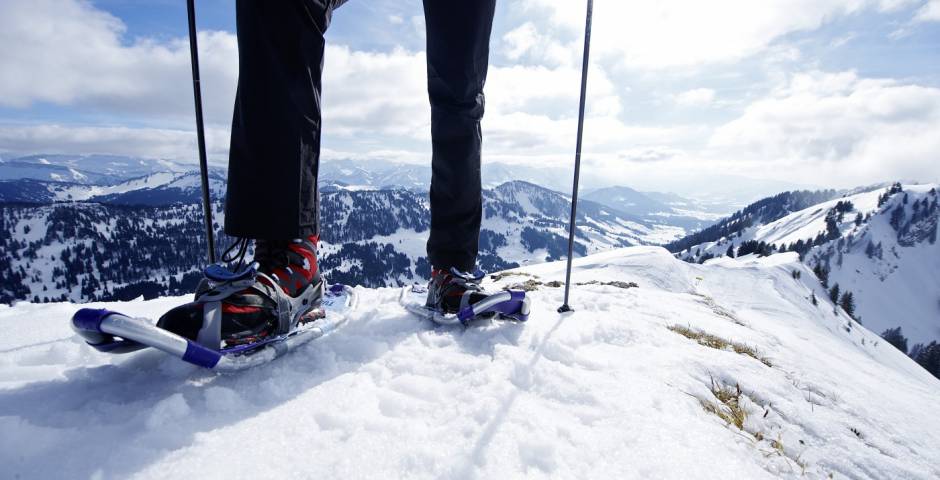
(609,391)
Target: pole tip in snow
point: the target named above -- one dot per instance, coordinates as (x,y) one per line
(565,309)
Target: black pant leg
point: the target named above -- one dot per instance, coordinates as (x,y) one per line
(275,145)
(458,36)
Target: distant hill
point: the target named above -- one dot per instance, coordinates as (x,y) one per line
(878,246)
(667,208)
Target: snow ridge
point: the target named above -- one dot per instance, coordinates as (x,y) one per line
(610,391)
(879,244)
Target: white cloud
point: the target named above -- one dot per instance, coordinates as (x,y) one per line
(417,22)
(843,40)
(930,12)
(553,92)
(688,33)
(69,53)
(396,19)
(525,41)
(366,93)
(140,142)
(698,97)
(841,127)
(815,125)
(372,102)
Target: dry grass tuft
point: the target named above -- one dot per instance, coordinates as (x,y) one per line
(528,286)
(501,275)
(615,283)
(718,343)
(728,406)
(534,284)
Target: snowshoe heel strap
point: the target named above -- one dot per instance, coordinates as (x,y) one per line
(473,277)
(218,273)
(512,304)
(210,334)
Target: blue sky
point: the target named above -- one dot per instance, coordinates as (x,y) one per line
(822,92)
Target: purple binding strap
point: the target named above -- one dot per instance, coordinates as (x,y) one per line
(199,355)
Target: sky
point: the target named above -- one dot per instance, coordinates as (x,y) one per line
(834,93)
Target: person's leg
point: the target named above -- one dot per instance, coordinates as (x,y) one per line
(458,35)
(275,146)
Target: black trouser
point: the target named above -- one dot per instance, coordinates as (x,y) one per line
(275,149)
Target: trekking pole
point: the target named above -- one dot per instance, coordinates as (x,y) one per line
(577,156)
(200,130)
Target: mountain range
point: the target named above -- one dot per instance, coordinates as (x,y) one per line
(97,240)
(104,233)
(131,181)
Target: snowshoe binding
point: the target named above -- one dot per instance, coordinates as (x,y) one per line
(272,296)
(453,296)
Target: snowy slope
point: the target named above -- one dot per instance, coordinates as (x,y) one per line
(85,169)
(79,193)
(899,286)
(606,392)
(161,188)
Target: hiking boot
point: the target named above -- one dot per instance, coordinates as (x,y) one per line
(252,313)
(450,291)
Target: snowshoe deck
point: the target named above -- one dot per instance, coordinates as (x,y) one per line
(506,305)
(113,332)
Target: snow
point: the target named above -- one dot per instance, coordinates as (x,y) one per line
(897,290)
(84,192)
(605,392)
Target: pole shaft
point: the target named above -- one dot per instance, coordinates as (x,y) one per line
(200,130)
(577,155)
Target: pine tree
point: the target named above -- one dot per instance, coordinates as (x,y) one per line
(822,274)
(847,302)
(832,229)
(858,219)
(896,338)
(929,358)
(730,252)
(834,293)
(813,299)
(897,218)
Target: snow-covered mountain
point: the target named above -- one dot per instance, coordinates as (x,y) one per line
(667,208)
(132,181)
(716,371)
(627,199)
(84,169)
(878,245)
(374,173)
(161,188)
(124,244)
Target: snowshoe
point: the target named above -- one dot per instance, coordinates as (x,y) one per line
(454,297)
(236,315)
